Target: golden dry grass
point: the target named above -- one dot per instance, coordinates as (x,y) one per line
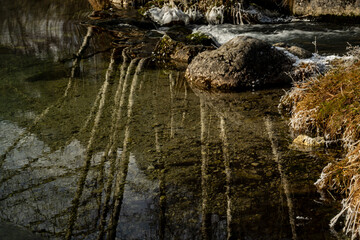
(328,105)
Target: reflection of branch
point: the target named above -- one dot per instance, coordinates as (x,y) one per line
(206,217)
(162,167)
(227,164)
(90,146)
(59,102)
(284,181)
(125,157)
(85,44)
(64,60)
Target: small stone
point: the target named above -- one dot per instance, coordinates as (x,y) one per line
(309,141)
(299,52)
(151,167)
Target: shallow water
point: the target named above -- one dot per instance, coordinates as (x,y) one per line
(102,152)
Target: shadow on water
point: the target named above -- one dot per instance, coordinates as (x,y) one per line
(116,150)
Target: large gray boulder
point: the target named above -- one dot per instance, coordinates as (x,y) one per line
(240,64)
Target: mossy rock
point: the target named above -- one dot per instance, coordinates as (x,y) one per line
(200,39)
(180,52)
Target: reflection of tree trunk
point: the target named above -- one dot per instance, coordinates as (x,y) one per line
(162,199)
(125,157)
(205,213)
(98,5)
(185,104)
(90,146)
(284,180)
(172,95)
(161,163)
(110,152)
(223,136)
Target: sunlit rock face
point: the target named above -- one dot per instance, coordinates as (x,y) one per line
(240,64)
(327,7)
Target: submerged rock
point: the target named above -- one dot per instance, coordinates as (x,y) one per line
(307,141)
(240,64)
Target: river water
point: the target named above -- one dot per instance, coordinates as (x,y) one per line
(104,148)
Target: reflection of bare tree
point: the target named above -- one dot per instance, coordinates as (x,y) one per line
(125,155)
(227,164)
(284,178)
(205,213)
(172,96)
(110,152)
(161,163)
(185,103)
(90,146)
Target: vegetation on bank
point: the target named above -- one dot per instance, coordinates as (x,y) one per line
(329,106)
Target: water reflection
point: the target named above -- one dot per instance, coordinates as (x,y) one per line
(209,175)
(42,28)
(116,149)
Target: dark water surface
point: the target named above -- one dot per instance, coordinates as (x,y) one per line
(92,149)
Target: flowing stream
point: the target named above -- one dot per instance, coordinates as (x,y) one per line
(101,148)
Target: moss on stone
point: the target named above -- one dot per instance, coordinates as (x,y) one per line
(199,39)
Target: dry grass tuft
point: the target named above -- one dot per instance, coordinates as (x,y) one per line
(329,106)
(345,177)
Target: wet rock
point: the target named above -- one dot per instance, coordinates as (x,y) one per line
(201,39)
(178,33)
(299,52)
(280,44)
(240,64)
(168,48)
(295,50)
(307,141)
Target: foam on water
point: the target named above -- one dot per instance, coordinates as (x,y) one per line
(224,33)
(329,39)
(322,62)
